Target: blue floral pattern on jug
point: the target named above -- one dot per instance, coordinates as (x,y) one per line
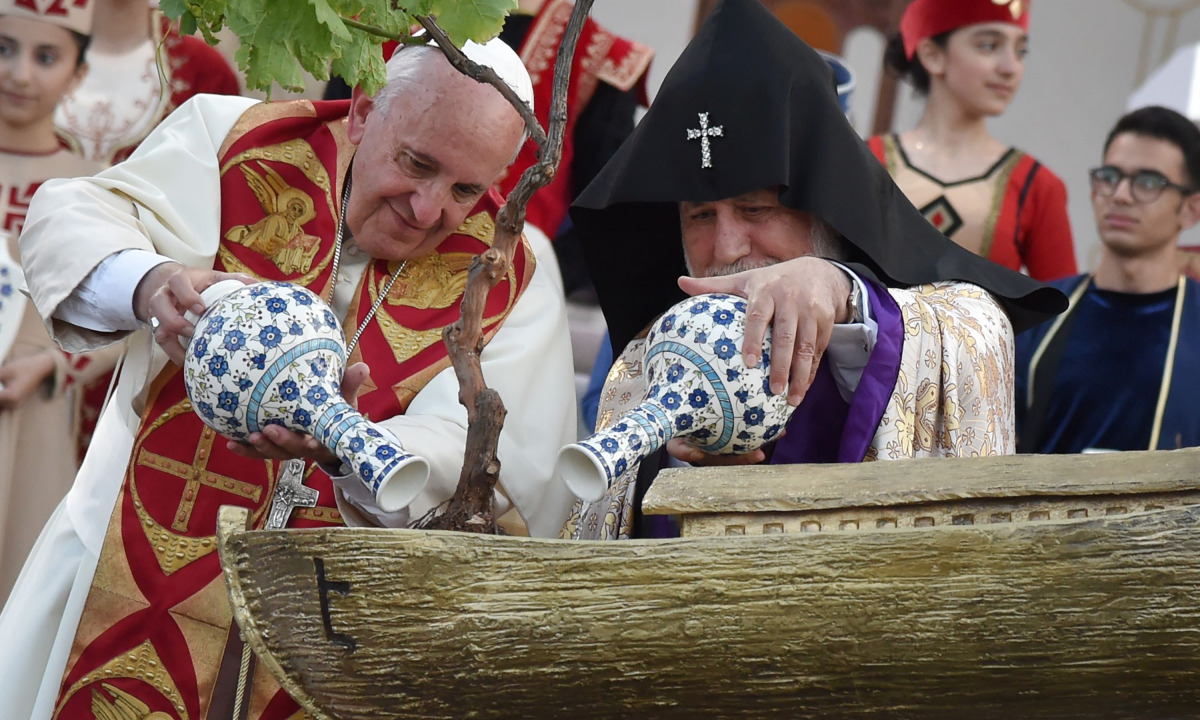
(243,372)
(700,390)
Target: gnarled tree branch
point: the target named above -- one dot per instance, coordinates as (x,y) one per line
(471,507)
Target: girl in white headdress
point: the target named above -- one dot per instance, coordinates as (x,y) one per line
(42,45)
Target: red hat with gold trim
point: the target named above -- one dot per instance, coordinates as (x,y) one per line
(72,14)
(930,18)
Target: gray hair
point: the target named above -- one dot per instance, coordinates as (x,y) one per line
(826,241)
(404,70)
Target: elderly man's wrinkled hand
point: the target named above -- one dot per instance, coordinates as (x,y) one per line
(279,443)
(801,299)
(169,291)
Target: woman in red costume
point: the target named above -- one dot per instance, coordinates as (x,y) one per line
(968,58)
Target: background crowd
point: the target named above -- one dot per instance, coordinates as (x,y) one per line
(83,83)
(920,217)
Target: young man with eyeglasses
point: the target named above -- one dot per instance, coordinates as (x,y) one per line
(1118,369)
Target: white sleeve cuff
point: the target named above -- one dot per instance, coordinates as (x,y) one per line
(351,489)
(104,300)
(851,344)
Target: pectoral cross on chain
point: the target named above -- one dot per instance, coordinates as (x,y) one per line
(290,493)
(704,133)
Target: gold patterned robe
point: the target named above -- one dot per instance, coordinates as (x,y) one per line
(953,395)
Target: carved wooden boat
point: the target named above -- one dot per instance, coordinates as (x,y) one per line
(896,608)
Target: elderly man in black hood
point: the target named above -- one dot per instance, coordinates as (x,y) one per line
(746,178)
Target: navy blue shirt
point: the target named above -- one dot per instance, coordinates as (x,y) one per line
(1106,387)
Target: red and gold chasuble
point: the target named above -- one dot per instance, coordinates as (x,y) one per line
(156,626)
(599,56)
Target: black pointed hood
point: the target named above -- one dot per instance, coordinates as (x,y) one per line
(773,102)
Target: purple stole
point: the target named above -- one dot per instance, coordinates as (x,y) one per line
(824,428)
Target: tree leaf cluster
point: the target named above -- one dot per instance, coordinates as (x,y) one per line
(282,38)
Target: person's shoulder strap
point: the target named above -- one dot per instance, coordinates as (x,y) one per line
(1026,186)
(1043,369)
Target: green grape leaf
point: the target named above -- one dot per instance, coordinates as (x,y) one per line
(327,16)
(187,24)
(207,16)
(266,29)
(361,59)
(175,9)
(316,36)
(210,13)
(184,14)
(420,7)
(380,14)
(269,62)
(279,38)
(362,64)
(478,20)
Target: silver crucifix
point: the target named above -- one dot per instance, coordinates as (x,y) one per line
(704,133)
(290,493)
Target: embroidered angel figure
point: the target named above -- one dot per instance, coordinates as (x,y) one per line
(279,235)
